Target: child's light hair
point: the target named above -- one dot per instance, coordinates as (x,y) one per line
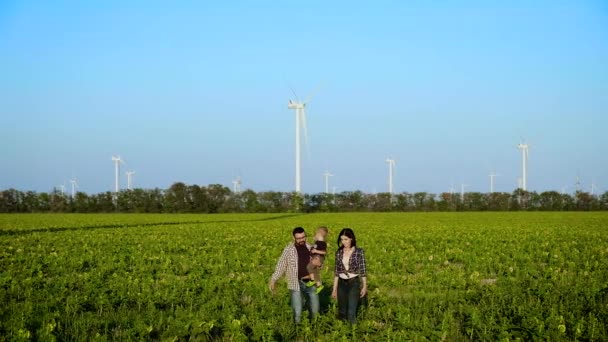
(323,229)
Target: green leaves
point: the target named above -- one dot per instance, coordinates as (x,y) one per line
(437,276)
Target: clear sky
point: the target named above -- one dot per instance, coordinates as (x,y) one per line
(197,91)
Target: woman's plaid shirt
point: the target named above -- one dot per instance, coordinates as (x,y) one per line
(288,265)
(356,262)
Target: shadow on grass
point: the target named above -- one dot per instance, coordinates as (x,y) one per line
(132,225)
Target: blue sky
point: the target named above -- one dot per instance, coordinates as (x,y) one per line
(197,92)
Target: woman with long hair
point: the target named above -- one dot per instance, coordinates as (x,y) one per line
(350,276)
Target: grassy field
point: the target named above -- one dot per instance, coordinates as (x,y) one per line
(432,276)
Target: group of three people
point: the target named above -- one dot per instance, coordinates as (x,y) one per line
(350,273)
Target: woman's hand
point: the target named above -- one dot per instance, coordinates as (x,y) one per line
(363,291)
(334,293)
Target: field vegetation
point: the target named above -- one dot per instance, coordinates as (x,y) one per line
(485,276)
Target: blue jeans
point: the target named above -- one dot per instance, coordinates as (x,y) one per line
(297,301)
(348,299)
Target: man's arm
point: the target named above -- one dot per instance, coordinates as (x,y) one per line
(279,270)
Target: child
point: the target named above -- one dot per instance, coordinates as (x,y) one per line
(318,251)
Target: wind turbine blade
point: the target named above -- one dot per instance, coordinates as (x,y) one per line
(314,92)
(294,93)
(305,130)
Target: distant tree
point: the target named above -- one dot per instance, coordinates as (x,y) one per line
(551,201)
(403,202)
(217,195)
(58,202)
(81,202)
(176,200)
(583,201)
(249,198)
(603,201)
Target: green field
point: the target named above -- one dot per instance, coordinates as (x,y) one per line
(432,276)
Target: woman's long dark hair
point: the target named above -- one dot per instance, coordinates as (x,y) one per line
(348,233)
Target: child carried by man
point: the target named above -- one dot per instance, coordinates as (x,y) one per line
(317,256)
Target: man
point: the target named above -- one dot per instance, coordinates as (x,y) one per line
(293,263)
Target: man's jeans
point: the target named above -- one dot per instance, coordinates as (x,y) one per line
(297,301)
(348,299)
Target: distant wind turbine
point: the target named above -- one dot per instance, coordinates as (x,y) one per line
(462,186)
(62,187)
(117,161)
(327,175)
(129,179)
(74,186)
(492,176)
(236,185)
(391,166)
(524,165)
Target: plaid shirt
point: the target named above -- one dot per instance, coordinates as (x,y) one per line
(356,263)
(288,265)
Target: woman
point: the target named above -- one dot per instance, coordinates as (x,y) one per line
(350,276)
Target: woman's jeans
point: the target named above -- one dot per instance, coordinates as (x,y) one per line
(348,298)
(297,301)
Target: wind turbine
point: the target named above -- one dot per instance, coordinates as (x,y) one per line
(327,175)
(524,164)
(391,166)
(334,189)
(62,187)
(129,177)
(492,176)
(117,161)
(593,187)
(462,186)
(236,185)
(299,108)
(74,186)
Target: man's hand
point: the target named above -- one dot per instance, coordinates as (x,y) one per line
(271,286)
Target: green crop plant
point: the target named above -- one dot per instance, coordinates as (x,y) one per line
(432,276)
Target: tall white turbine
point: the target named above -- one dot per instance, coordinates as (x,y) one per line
(236,185)
(117,161)
(524,165)
(462,186)
(129,179)
(299,108)
(327,175)
(74,186)
(391,165)
(62,187)
(492,176)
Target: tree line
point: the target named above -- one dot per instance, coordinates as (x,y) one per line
(216,198)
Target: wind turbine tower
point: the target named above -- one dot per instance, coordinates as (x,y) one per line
(391,166)
(327,175)
(236,185)
(492,176)
(129,178)
(524,165)
(74,186)
(117,161)
(299,108)
(62,187)
(462,186)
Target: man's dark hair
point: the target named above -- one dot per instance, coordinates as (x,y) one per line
(349,233)
(297,230)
